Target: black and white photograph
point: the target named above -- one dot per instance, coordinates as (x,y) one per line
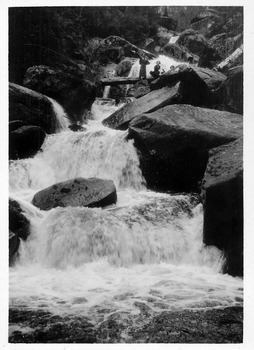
(125,173)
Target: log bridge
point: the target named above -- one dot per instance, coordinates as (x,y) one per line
(121,81)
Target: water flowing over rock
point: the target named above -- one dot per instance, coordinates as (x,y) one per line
(76,95)
(222,191)
(32,108)
(145,104)
(25,141)
(174,140)
(81,192)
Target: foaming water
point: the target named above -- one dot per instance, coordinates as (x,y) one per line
(103,108)
(94,262)
(144,251)
(98,152)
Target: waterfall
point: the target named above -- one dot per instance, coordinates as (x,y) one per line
(173,39)
(62,118)
(147,248)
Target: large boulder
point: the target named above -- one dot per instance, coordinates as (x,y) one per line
(139,89)
(18,223)
(123,68)
(76,95)
(222,193)
(193,41)
(190,75)
(32,108)
(173,143)
(193,88)
(229,95)
(16,124)
(212,78)
(77,192)
(25,142)
(168,22)
(145,104)
(14,243)
(177,52)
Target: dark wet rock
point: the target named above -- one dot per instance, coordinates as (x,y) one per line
(185,326)
(75,94)
(193,41)
(173,143)
(16,124)
(229,96)
(25,142)
(196,76)
(193,88)
(18,223)
(141,88)
(77,192)
(145,104)
(76,127)
(212,78)
(123,68)
(222,192)
(14,242)
(31,107)
(43,327)
(176,51)
(208,57)
(168,22)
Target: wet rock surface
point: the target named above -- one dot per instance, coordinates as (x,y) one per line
(25,142)
(188,326)
(81,192)
(18,223)
(229,95)
(31,107)
(173,143)
(222,192)
(148,103)
(74,93)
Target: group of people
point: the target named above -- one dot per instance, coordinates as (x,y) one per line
(157,68)
(143,63)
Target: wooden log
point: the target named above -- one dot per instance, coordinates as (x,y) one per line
(121,81)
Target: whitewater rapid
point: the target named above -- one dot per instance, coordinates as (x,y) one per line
(147,248)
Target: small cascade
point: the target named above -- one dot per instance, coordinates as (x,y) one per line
(100,152)
(106,92)
(62,118)
(173,39)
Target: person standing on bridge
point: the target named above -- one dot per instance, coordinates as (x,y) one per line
(143,63)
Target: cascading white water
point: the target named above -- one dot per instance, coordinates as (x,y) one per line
(62,118)
(93,262)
